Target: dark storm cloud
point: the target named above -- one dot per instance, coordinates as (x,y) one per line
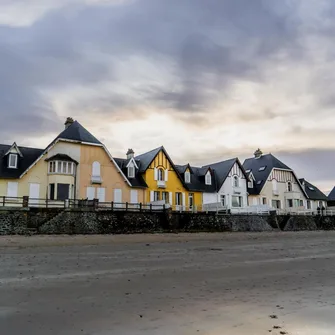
(212,43)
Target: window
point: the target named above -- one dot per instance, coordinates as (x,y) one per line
(223,199)
(289,186)
(251,184)
(191,200)
(12,161)
(236,181)
(156,196)
(12,188)
(264,201)
(63,191)
(301,203)
(276,204)
(290,203)
(160,174)
(321,204)
(96,169)
(274,185)
(259,182)
(101,194)
(236,201)
(165,197)
(61,167)
(208,178)
(187,177)
(311,188)
(52,191)
(178,198)
(131,171)
(309,205)
(262,168)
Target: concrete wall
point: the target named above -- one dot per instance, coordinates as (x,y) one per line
(56,221)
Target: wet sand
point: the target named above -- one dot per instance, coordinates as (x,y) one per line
(213,284)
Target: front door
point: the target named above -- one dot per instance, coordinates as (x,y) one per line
(34,194)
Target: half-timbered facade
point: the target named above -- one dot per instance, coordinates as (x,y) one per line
(274,184)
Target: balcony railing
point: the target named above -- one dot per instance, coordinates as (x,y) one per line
(161,184)
(96,179)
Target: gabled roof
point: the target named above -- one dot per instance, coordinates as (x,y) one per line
(29,155)
(331,195)
(14,146)
(312,191)
(76,132)
(222,169)
(138,181)
(197,180)
(147,158)
(255,164)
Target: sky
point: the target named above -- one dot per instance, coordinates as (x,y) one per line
(209,80)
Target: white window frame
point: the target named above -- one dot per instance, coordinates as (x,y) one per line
(160,174)
(131,171)
(61,167)
(223,199)
(240,202)
(96,169)
(9,161)
(208,178)
(187,177)
(251,183)
(274,184)
(289,186)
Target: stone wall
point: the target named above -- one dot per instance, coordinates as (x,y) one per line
(88,221)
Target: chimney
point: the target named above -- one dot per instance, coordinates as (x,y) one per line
(130,153)
(68,122)
(258,153)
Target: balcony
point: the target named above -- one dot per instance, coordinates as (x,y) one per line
(292,195)
(161,184)
(275,192)
(96,180)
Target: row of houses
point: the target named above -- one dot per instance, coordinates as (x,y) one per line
(76,165)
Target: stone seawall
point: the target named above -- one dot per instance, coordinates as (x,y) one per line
(75,221)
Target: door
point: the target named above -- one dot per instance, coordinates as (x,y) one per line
(101,194)
(118,197)
(34,194)
(63,191)
(90,193)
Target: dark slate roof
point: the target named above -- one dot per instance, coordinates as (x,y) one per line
(331,195)
(146,158)
(76,132)
(269,162)
(312,191)
(29,157)
(222,169)
(61,157)
(198,180)
(138,181)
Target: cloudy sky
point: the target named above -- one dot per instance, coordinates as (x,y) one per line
(208,79)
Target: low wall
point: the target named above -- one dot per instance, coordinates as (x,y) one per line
(84,221)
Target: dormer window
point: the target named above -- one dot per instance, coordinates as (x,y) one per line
(187,177)
(251,184)
(12,161)
(208,178)
(131,171)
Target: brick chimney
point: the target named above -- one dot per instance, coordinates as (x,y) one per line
(130,153)
(258,153)
(68,122)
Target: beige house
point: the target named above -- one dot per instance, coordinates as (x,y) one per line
(273,184)
(75,165)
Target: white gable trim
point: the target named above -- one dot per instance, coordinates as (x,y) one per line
(14,146)
(132,160)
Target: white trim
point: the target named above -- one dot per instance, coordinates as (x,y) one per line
(208,174)
(166,175)
(16,159)
(132,160)
(155,174)
(14,145)
(188,179)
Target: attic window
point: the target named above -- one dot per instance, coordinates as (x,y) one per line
(208,178)
(131,171)
(187,177)
(259,182)
(12,161)
(262,168)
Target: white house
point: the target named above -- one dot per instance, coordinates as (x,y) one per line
(316,198)
(273,183)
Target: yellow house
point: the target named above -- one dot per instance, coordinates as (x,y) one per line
(75,165)
(164,182)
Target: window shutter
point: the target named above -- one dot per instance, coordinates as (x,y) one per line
(101,194)
(12,188)
(183,200)
(166,174)
(133,196)
(152,196)
(155,174)
(96,169)
(90,193)
(170,198)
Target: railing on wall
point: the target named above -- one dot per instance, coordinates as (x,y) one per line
(158,206)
